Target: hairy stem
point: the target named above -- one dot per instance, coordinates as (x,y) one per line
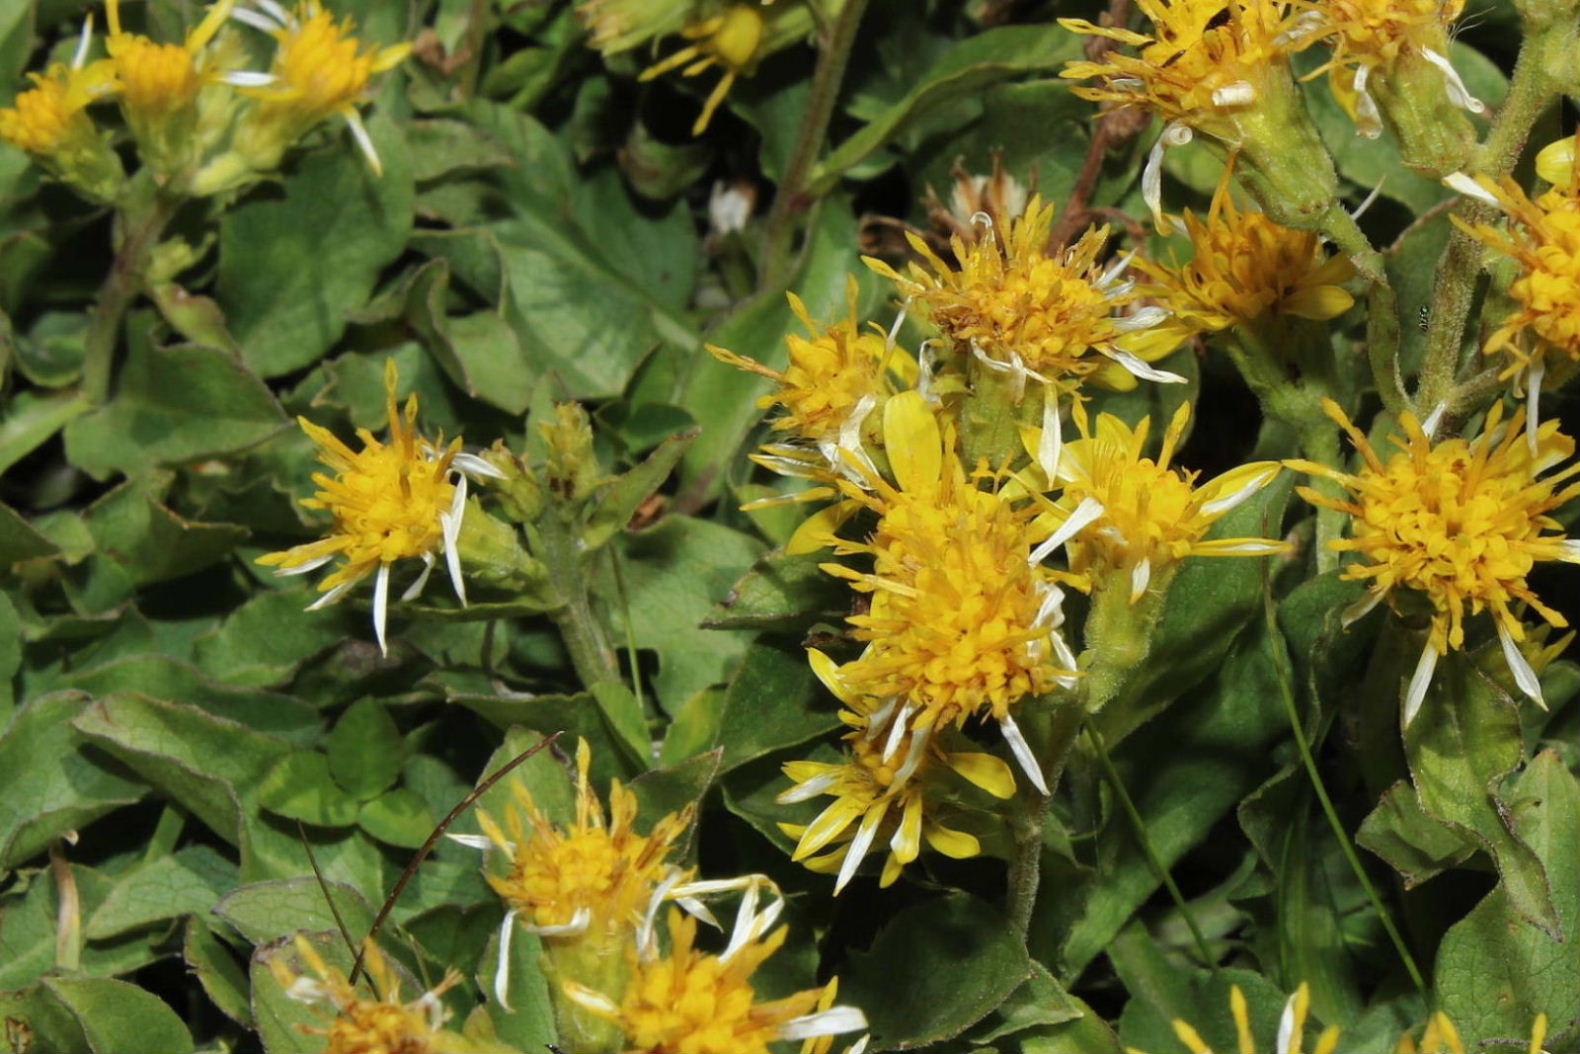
(1051,733)
(792,198)
(140,233)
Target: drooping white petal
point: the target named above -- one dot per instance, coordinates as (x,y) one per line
(1175,134)
(450,527)
(1088,510)
(1112,273)
(359,132)
(1050,445)
(1434,420)
(1467,186)
(1368,119)
(1533,393)
(1286,1025)
(807,789)
(1419,682)
(307,990)
(894,330)
(1360,210)
(913,754)
(301,569)
(860,1046)
(1219,506)
(578,923)
(276,11)
(1524,676)
(502,969)
(473,465)
(1237,94)
(697,910)
(1569,550)
(645,942)
(381,605)
(1022,751)
(858,847)
(1360,609)
(1140,578)
(897,732)
(333,595)
(1458,94)
(850,438)
(1145,318)
(830,1022)
(248,78)
(255,19)
(1139,367)
(80,56)
(479,842)
(1300,28)
(414,590)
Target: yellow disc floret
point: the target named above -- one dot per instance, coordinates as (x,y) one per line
(1145,515)
(383,1025)
(691,1002)
(1245,267)
(731,39)
(1013,302)
(1459,522)
(593,875)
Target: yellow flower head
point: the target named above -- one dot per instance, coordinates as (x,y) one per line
(50,121)
(1203,58)
(389,501)
(1245,267)
(731,39)
(158,80)
(384,1025)
(691,1002)
(835,378)
(885,791)
(320,70)
(595,875)
(1135,516)
(1459,522)
(964,619)
(1543,237)
(1018,308)
(1380,38)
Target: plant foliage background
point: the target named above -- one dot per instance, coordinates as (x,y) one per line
(178,732)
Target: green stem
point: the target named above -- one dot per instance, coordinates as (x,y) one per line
(120,288)
(1285,681)
(584,635)
(1531,91)
(1100,750)
(790,201)
(1051,733)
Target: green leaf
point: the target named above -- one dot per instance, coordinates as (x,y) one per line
(965,69)
(187,882)
(300,787)
(287,1024)
(529,1024)
(145,539)
(1162,993)
(781,592)
(117,1017)
(674,574)
(1039,1002)
(1496,971)
(1413,843)
(666,791)
(398,817)
(201,761)
(266,639)
(294,261)
(1464,741)
(935,969)
(19,541)
(30,942)
(617,503)
(44,801)
(31,418)
(10,655)
(365,750)
(267,911)
(34,1019)
(773,702)
(173,405)
(216,969)
(441,147)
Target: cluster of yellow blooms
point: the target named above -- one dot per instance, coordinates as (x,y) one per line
(963,615)
(202,123)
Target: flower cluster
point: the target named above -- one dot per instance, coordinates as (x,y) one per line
(593,887)
(202,123)
(961,492)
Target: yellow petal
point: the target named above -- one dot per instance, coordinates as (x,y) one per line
(827,671)
(986,771)
(1318,302)
(912,441)
(817,530)
(955,844)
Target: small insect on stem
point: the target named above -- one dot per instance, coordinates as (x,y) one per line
(1422,316)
